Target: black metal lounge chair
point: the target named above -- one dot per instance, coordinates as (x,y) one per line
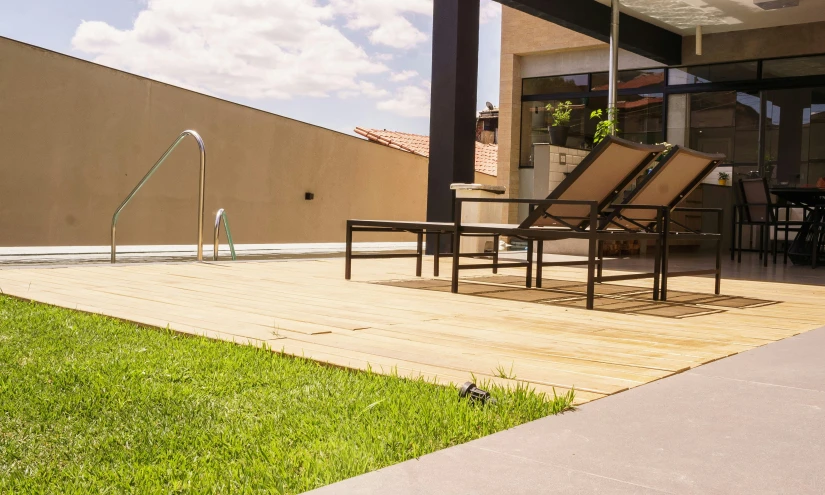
(643,216)
(601,176)
(668,184)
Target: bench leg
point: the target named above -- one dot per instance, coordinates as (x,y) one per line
(787,243)
(732,235)
(456,260)
(665,261)
(718,287)
(529,281)
(592,253)
(436,253)
(348,261)
(495,253)
(657,267)
(539,262)
(420,252)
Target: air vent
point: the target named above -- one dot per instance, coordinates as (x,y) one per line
(775,4)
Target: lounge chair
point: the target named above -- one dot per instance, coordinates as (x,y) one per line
(668,184)
(600,177)
(645,215)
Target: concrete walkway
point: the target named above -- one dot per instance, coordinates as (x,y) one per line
(750,424)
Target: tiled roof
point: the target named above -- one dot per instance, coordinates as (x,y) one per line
(486,154)
(641,102)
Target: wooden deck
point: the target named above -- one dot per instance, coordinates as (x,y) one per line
(387,321)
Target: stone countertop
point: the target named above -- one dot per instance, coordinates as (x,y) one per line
(478,187)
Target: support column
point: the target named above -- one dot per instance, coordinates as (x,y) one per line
(614,62)
(452,105)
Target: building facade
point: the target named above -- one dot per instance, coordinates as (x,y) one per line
(756,95)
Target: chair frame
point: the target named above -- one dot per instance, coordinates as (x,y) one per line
(669,233)
(742,213)
(437,229)
(592,227)
(540,234)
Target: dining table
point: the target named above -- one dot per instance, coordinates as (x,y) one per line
(809,245)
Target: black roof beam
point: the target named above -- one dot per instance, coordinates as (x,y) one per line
(593,19)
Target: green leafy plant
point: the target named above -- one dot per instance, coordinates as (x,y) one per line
(724,176)
(606,126)
(561,113)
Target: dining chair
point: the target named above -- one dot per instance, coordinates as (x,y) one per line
(754,207)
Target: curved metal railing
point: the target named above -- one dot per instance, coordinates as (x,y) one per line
(149,174)
(222,215)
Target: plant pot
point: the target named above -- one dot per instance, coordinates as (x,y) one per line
(723,182)
(558,135)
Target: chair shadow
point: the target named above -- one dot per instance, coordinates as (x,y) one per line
(611,298)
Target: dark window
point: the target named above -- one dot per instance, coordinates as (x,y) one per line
(713,123)
(555,84)
(630,79)
(794,67)
(728,123)
(641,117)
(701,74)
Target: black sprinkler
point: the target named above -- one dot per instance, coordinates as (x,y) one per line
(475,394)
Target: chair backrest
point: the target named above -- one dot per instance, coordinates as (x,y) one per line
(667,184)
(600,177)
(756,198)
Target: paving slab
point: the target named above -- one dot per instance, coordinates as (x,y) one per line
(753,423)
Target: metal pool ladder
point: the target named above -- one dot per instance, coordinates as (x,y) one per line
(149,174)
(222,216)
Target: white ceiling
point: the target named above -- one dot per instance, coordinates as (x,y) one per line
(682,16)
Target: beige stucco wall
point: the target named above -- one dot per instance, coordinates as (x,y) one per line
(487,180)
(783,41)
(75,137)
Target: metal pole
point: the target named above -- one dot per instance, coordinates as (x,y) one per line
(149,174)
(221,216)
(614,63)
(201,193)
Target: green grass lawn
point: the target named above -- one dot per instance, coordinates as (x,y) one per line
(89,404)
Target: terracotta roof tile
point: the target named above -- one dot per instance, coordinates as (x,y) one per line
(486,154)
(640,81)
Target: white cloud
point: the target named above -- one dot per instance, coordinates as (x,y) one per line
(403,75)
(243,48)
(385,19)
(369,89)
(408,101)
(490,11)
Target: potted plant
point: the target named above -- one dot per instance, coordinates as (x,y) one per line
(723,178)
(560,127)
(606,126)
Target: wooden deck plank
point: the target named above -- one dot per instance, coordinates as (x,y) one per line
(306,308)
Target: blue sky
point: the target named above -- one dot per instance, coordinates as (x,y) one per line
(333,63)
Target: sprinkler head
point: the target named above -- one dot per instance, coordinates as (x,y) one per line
(475,394)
